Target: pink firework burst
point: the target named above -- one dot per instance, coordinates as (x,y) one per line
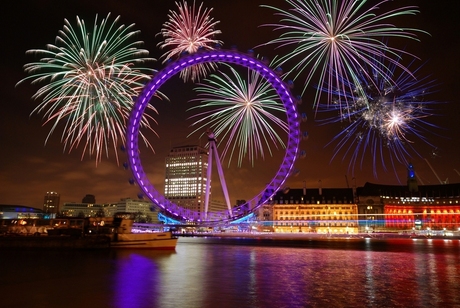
(187,31)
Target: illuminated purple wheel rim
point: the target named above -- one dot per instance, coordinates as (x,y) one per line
(286,167)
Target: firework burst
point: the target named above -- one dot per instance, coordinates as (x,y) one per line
(332,38)
(384,120)
(187,31)
(243,111)
(91,76)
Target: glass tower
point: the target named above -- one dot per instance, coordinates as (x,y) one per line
(185,179)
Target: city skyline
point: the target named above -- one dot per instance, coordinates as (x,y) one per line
(29,168)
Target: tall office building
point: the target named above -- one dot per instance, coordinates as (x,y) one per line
(185,179)
(51,202)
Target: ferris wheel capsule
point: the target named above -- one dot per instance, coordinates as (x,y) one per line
(303,116)
(304,135)
(302,154)
(279,71)
(298,100)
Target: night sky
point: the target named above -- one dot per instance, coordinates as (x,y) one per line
(29,168)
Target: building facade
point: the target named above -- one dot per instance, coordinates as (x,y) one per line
(75,209)
(328,210)
(370,212)
(373,208)
(51,203)
(21,212)
(144,209)
(185,177)
(415,207)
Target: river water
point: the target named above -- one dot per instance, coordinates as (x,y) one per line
(209,272)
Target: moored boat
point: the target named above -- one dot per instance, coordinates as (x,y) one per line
(124,237)
(154,240)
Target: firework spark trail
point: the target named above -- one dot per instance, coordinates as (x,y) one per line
(187,31)
(385,120)
(90,78)
(332,38)
(243,112)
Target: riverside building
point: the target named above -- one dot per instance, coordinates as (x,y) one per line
(144,209)
(422,208)
(21,212)
(88,208)
(322,210)
(427,207)
(75,209)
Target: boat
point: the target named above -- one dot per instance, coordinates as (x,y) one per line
(124,237)
(154,240)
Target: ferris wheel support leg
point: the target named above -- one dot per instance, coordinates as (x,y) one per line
(208,184)
(222,179)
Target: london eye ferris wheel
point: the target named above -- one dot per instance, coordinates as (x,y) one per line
(286,168)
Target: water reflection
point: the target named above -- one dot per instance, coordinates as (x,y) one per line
(209,273)
(135,279)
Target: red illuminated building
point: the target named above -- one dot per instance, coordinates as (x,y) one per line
(424,207)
